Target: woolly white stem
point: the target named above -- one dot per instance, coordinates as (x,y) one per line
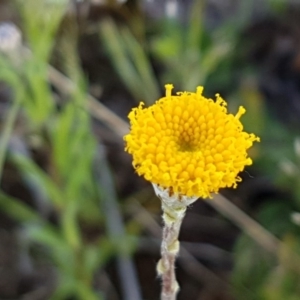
(169,250)
(174,207)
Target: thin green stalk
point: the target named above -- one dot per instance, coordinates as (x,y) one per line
(7,130)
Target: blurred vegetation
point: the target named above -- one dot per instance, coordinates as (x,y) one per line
(65,180)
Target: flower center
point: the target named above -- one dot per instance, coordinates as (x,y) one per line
(186,143)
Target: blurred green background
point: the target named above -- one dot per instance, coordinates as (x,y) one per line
(76,222)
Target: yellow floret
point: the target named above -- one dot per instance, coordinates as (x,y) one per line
(189,143)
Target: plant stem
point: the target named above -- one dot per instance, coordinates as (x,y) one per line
(169,250)
(174,207)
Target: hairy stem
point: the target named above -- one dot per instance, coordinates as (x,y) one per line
(174,207)
(169,251)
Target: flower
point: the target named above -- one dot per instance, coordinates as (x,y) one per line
(188,143)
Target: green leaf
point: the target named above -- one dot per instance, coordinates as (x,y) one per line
(70,226)
(59,250)
(32,172)
(18,210)
(96,255)
(130,61)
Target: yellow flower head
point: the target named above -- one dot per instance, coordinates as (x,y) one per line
(189,143)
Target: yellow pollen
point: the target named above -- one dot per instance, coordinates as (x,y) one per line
(169,88)
(189,143)
(199,90)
